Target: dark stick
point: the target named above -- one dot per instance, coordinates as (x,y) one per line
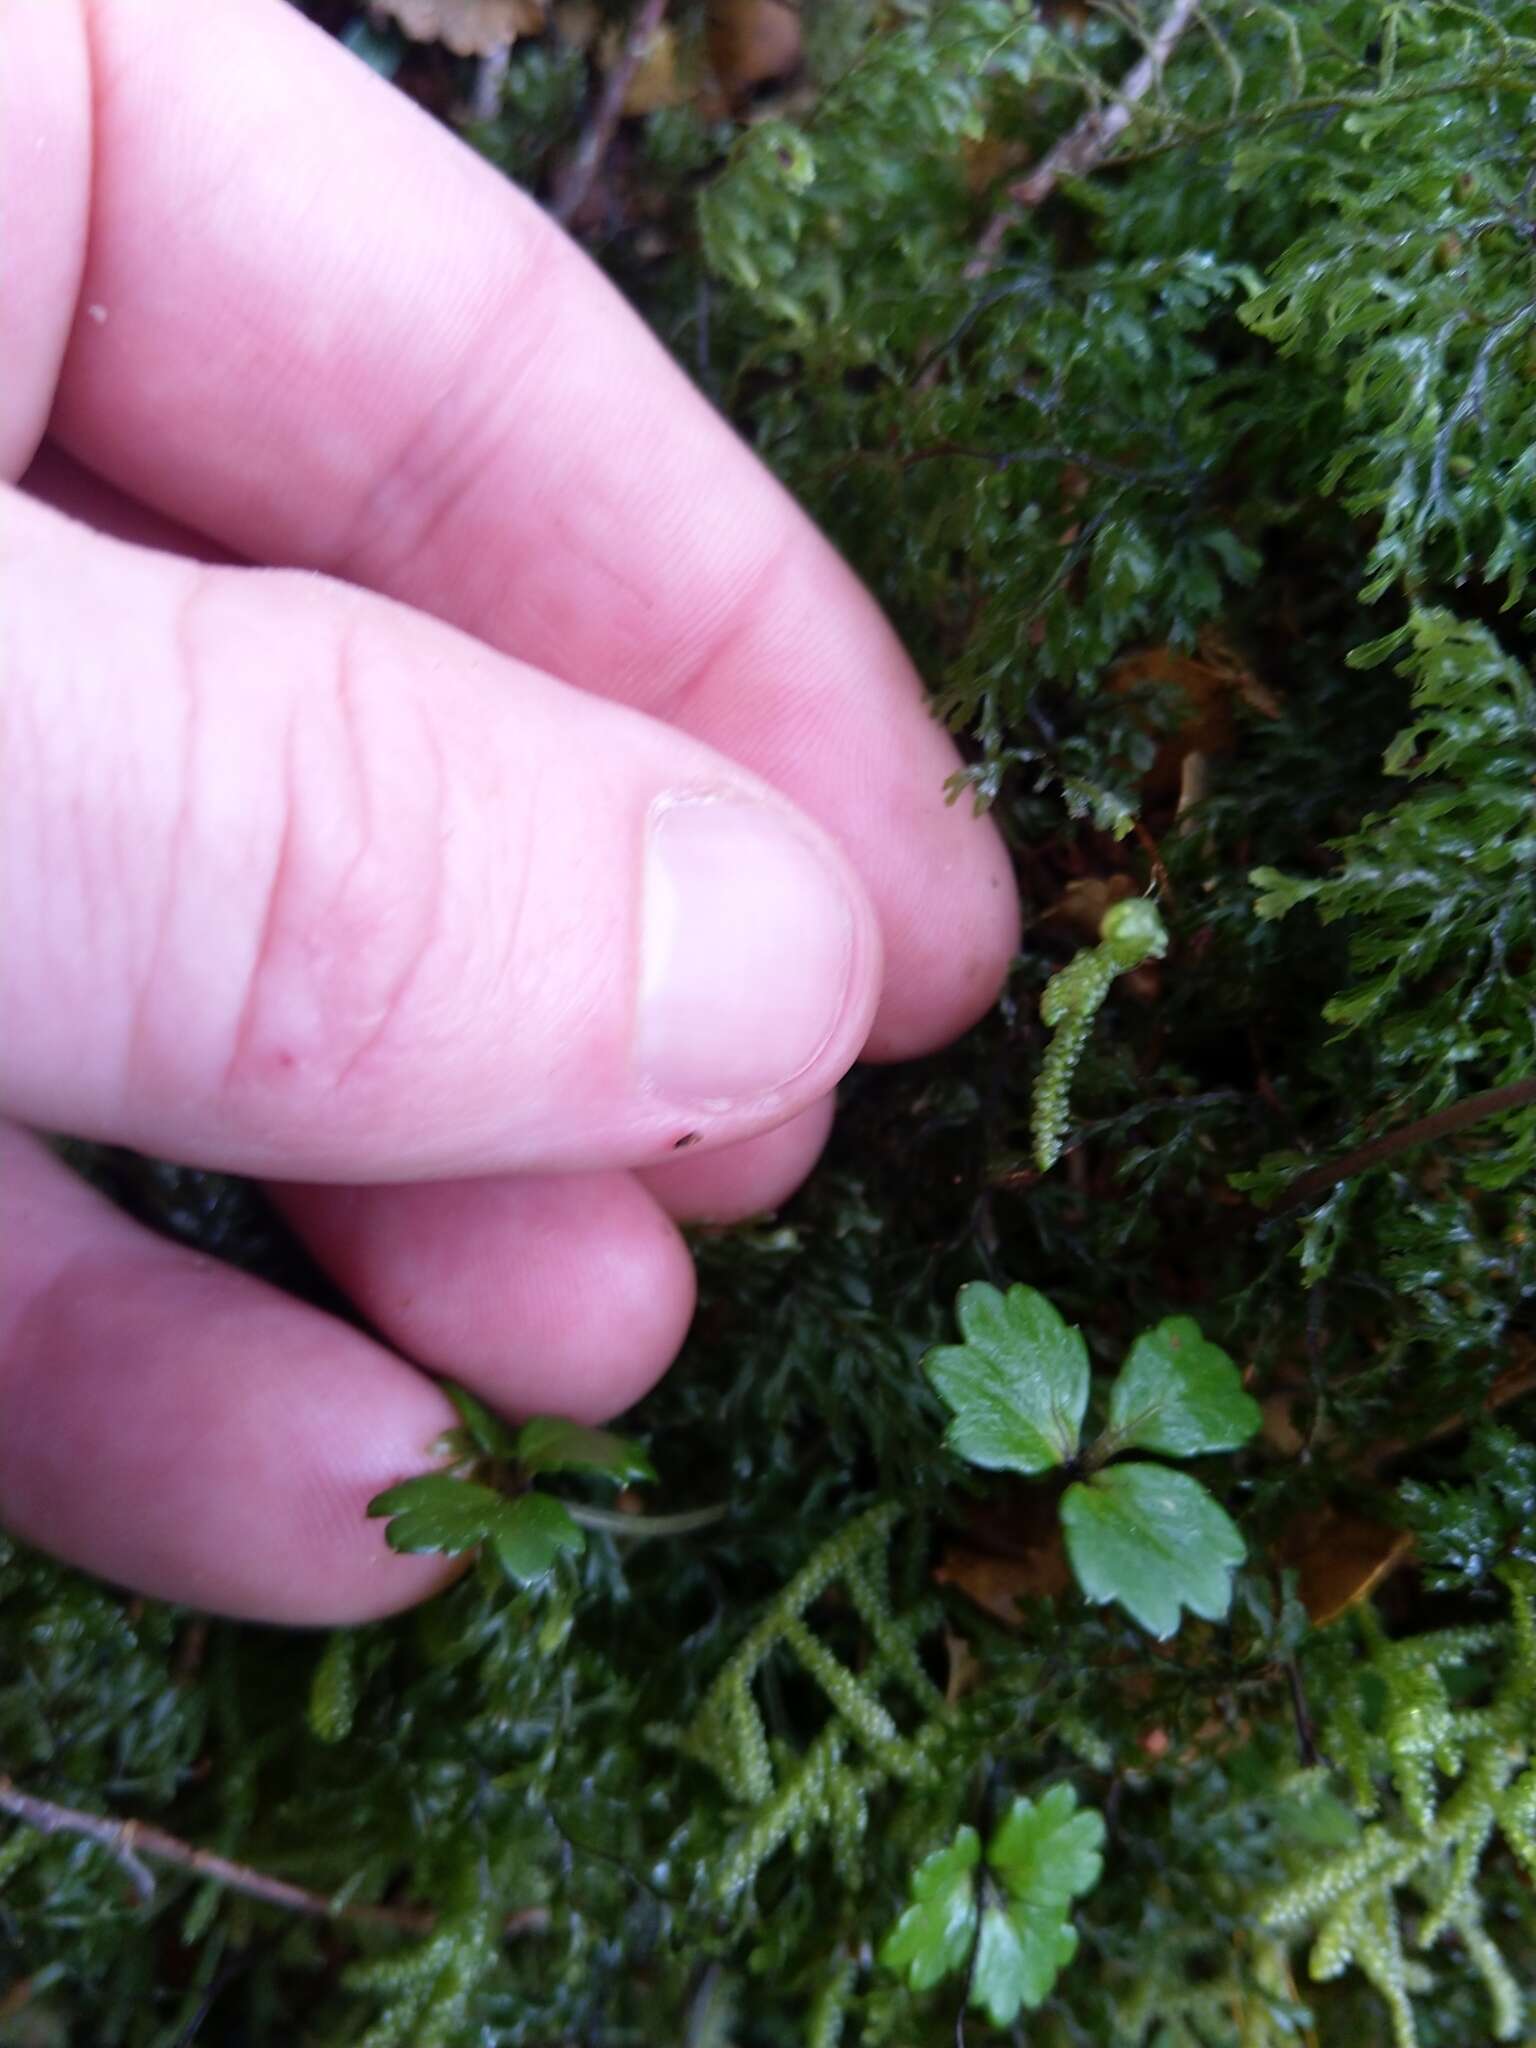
(575,181)
(134,1842)
(1088,143)
(1473,1109)
(1306,1733)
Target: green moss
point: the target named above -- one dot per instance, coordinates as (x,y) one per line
(1257,394)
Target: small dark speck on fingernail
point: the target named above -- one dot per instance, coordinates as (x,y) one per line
(688,1138)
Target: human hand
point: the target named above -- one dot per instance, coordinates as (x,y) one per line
(560,798)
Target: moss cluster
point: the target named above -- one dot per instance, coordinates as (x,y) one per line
(1204,492)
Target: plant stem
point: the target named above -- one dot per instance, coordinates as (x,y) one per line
(575,181)
(1088,143)
(1472,1109)
(614,1522)
(135,1844)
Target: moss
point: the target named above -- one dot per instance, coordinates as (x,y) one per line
(1235,406)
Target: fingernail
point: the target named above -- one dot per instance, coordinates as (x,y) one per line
(747,951)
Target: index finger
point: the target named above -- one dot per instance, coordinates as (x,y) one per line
(309,323)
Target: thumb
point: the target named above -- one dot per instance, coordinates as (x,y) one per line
(301,882)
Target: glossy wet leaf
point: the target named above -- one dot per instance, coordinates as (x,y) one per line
(1155,1540)
(551,1444)
(532,1535)
(933,1936)
(1044,1853)
(485,1431)
(1017,1386)
(1180,1395)
(1047,1850)
(437,1512)
(440,1514)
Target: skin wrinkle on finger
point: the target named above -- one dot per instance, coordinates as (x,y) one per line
(743,1179)
(394,999)
(383,1027)
(297,908)
(462,436)
(147,984)
(281,383)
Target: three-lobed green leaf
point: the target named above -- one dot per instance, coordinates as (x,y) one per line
(1018,1385)
(439,1513)
(1179,1394)
(1155,1540)
(1043,1854)
(1046,1853)
(1151,1538)
(527,1533)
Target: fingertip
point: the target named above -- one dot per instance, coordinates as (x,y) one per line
(555,1294)
(745,1179)
(183,1429)
(954,939)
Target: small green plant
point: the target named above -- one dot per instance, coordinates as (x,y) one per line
(1463,1534)
(1130,934)
(859,1747)
(526,1532)
(1141,1533)
(1448,1719)
(1002,1918)
(1120,478)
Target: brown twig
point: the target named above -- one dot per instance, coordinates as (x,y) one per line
(1513,1385)
(1472,1109)
(134,1844)
(575,181)
(1088,143)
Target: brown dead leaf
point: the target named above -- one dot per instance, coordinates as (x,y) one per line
(752,42)
(997,1584)
(657,80)
(1210,680)
(964,1667)
(1081,905)
(1340,1558)
(989,159)
(1279,1429)
(575,22)
(470,28)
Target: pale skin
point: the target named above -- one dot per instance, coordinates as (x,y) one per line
(443,772)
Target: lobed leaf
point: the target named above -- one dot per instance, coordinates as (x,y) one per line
(531,1535)
(487,1432)
(933,1936)
(1017,1386)
(441,1514)
(1178,1394)
(1155,1540)
(1045,1853)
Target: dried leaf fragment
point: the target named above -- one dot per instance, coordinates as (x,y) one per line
(752,42)
(1340,1559)
(658,79)
(470,28)
(998,1584)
